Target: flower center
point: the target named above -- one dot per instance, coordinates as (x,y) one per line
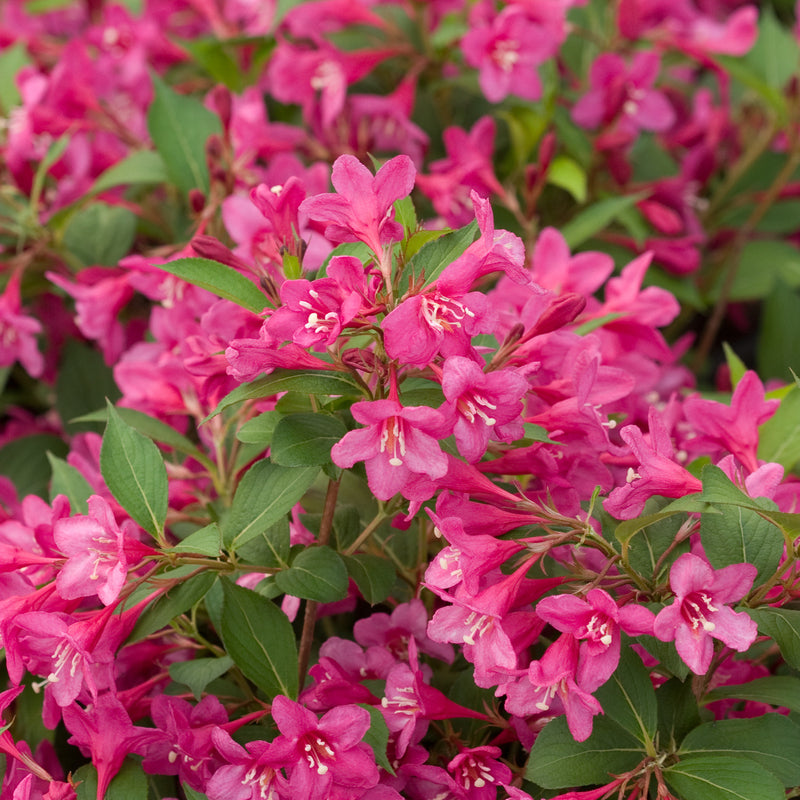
(506,54)
(474,405)
(393,440)
(475,773)
(443,313)
(317,752)
(696,610)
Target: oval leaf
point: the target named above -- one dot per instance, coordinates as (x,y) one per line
(259,638)
(317,573)
(783,625)
(134,471)
(304,440)
(722,778)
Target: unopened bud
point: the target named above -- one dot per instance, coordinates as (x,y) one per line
(197,200)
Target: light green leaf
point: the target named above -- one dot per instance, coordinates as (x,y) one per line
(735,364)
(776,690)
(596,217)
(779,436)
(779,338)
(775,54)
(259,638)
(721,777)
(259,430)
(305,440)
(180,126)
(772,740)
(205,542)
(316,573)
(220,279)
(12,60)
(100,234)
(568,174)
(140,167)
(265,494)
(67,480)
(134,471)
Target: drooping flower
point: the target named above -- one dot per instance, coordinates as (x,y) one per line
(700,612)
(18,331)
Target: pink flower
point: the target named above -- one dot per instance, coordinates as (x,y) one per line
(327,756)
(397,444)
(250,774)
(479,772)
(361,209)
(700,614)
(18,331)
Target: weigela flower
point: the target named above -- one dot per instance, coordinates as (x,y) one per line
(18,331)
(326,757)
(700,612)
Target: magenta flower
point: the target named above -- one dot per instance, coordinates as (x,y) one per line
(327,756)
(700,614)
(361,209)
(95,548)
(596,623)
(399,443)
(250,774)
(18,331)
(479,772)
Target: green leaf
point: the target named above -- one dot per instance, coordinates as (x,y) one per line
(761,264)
(25,462)
(220,279)
(721,777)
(317,573)
(152,428)
(646,551)
(779,338)
(374,576)
(432,258)
(199,672)
(568,174)
(782,625)
(596,217)
(598,322)
(558,761)
(12,60)
(133,469)
(736,366)
(83,384)
(130,783)
(180,126)
(259,638)
(677,712)
(68,481)
(140,167)
(666,654)
(739,535)
(205,542)
(192,794)
(259,429)
(100,234)
(377,737)
(215,58)
(405,213)
(265,493)
(719,488)
(271,549)
(316,382)
(775,54)
(629,699)
(776,690)
(772,740)
(174,602)
(779,436)
(305,440)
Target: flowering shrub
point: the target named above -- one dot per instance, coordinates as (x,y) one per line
(377,413)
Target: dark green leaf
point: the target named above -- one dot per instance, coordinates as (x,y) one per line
(772,740)
(259,638)
(180,126)
(666,654)
(25,462)
(172,604)
(558,761)
(761,264)
(316,382)
(596,217)
(67,480)
(130,783)
(271,548)
(215,58)
(100,234)
(374,576)
(305,440)
(222,280)
(432,258)
(782,625)
(677,712)
(739,535)
(646,551)
(317,573)
(134,471)
(192,794)
(83,384)
(265,493)
(199,672)
(377,737)
(776,690)
(721,777)
(779,338)
(629,699)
